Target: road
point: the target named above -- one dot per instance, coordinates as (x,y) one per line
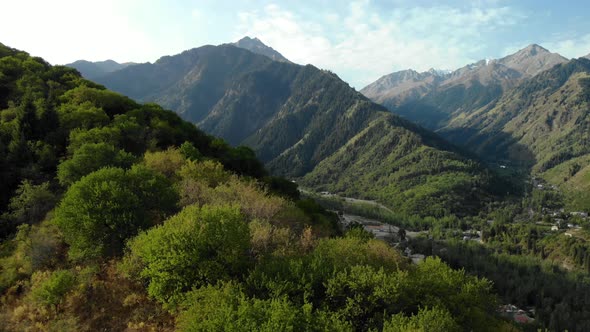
(379,229)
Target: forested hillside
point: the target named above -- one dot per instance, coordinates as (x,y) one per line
(121,216)
(299,120)
(543,124)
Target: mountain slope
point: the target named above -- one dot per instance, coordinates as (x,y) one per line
(294,117)
(190,83)
(254,45)
(409,168)
(532,60)
(434,102)
(393,89)
(546,113)
(92,70)
(544,123)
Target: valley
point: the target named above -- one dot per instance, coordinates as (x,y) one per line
(229,188)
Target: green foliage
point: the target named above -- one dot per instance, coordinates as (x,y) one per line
(190,152)
(355,230)
(243,160)
(34,248)
(208,171)
(304,278)
(50,115)
(226,308)
(410,173)
(526,281)
(91,157)
(196,247)
(282,186)
(362,295)
(320,217)
(84,116)
(167,162)
(109,135)
(103,209)
(427,320)
(372,210)
(30,204)
(51,291)
(112,103)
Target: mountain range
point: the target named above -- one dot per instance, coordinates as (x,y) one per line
(432,99)
(309,125)
(91,70)
(526,109)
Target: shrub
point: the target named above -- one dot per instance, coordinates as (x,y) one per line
(196,247)
(166,162)
(89,158)
(103,209)
(31,203)
(226,308)
(208,171)
(427,320)
(51,291)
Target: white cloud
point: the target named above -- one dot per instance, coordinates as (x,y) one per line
(571,47)
(366,45)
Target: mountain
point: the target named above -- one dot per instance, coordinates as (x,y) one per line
(587,56)
(432,100)
(532,60)
(543,123)
(254,45)
(393,89)
(92,70)
(302,121)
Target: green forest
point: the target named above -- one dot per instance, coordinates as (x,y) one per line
(122,216)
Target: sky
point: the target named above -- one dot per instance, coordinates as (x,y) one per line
(358,40)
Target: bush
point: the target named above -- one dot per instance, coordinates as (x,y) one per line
(166,162)
(427,320)
(103,209)
(89,158)
(190,152)
(208,171)
(362,295)
(31,203)
(226,308)
(194,248)
(79,137)
(51,291)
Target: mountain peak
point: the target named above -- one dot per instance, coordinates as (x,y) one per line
(587,56)
(248,39)
(255,45)
(534,49)
(532,60)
